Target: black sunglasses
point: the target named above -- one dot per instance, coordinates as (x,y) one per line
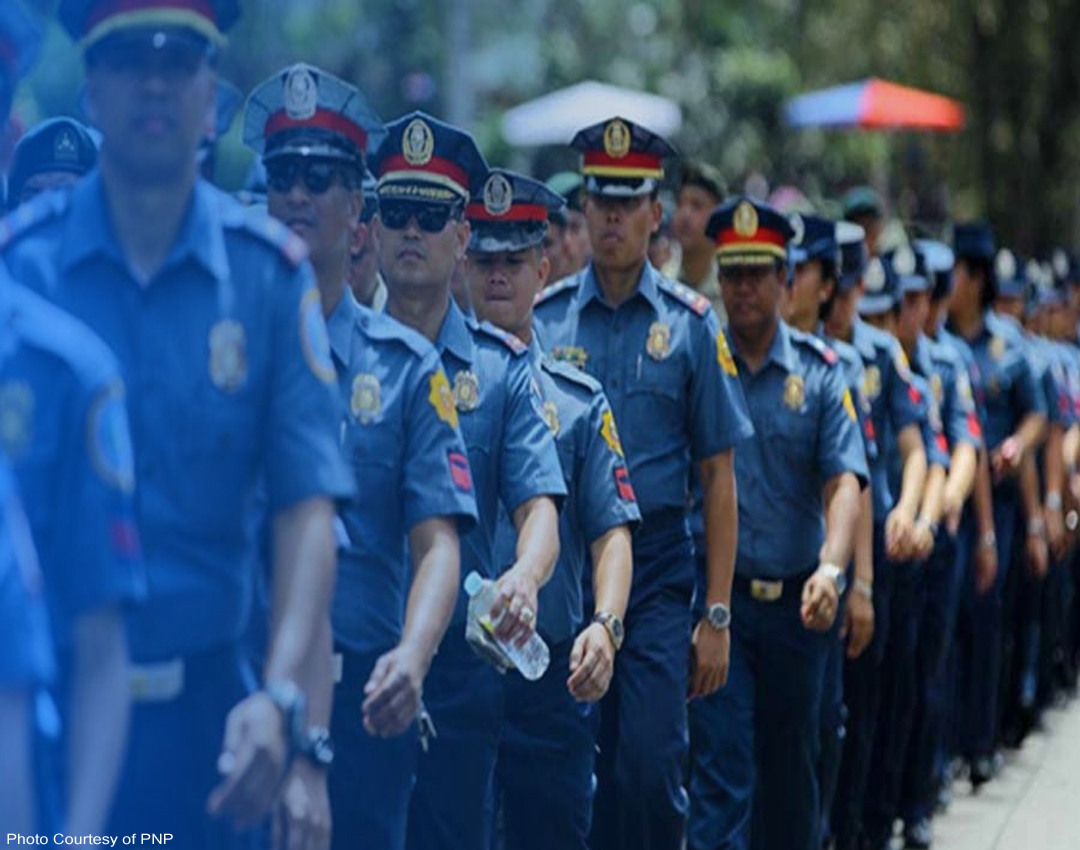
(318,175)
(431,218)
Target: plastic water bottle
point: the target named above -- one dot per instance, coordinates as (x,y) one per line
(532,659)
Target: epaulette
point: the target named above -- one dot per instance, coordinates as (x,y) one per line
(682,293)
(381,326)
(818,345)
(845,351)
(45,207)
(570,373)
(264,228)
(564,285)
(516,346)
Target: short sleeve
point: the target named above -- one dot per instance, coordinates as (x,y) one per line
(607,498)
(840,446)
(718,417)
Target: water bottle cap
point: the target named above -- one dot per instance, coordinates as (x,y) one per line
(473,583)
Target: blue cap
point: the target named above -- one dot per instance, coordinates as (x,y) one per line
(909,266)
(621,159)
(1009,274)
(814,238)
(90,22)
(851,240)
(424,159)
(59,144)
(510,213)
(939,265)
(882,288)
(749,233)
(304,111)
(973,241)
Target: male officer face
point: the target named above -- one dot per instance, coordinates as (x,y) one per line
(152,96)
(967,286)
(809,290)
(752,296)
(692,210)
(575,242)
(914,310)
(419,244)
(504,284)
(555,251)
(364,265)
(620,228)
(1008,305)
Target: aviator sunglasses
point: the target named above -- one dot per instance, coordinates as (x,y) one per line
(317,175)
(430,218)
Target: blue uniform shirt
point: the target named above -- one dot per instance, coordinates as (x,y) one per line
(666,368)
(962,350)
(225,358)
(1010,387)
(805,433)
(400,436)
(511,451)
(950,388)
(599,493)
(26,657)
(66,433)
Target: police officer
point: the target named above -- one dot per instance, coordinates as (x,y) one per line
(701,189)
(54,154)
(366,283)
(663,361)
(427,171)
(545,767)
(217,327)
(756,743)
(568,245)
(1014,427)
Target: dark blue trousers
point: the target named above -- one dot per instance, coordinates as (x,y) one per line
(833,720)
(642,740)
(372,778)
(171,762)
(756,742)
(545,766)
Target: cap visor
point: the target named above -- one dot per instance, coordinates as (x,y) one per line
(609,187)
(493,243)
(875,305)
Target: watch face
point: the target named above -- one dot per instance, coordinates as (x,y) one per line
(617,628)
(719,617)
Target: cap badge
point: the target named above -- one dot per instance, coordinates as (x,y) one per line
(498,195)
(301,94)
(746,220)
(798,228)
(904,261)
(616,139)
(794,392)
(875,276)
(1005,267)
(65,149)
(1061,264)
(418,143)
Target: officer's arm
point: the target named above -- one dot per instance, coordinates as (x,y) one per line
(963,464)
(864,538)
(721,524)
(537,524)
(842,496)
(436,557)
(913,458)
(1031,433)
(612,559)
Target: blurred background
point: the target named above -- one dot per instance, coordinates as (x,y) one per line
(729,68)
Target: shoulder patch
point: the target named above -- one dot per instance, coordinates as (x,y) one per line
(516,346)
(686,296)
(817,345)
(26,217)
(567,284)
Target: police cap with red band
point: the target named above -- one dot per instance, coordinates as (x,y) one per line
(510,213)
(621,159)
(304,111)
(749,233)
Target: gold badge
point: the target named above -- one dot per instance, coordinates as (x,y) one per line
(228,355)
(723,355)
(997,347)
(16,418)
(937,388)
(849,406)
(498,195)
(610,433)
(746,220)
(440,398)
(658,345)
(794,392)
(466,391)
(872,383)
(301,93)
(366,400)
(616,139)
(418,143)
(551,416)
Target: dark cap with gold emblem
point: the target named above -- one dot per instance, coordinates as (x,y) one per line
(749,233)
(621,159)
(93,22)
(59,144)
(424,159)
(511,212)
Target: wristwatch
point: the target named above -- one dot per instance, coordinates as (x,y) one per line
(318,747)
(1036,527)
(614,627)
(292,703)
(988,540)
(838,576)
(864,588)
(718,616)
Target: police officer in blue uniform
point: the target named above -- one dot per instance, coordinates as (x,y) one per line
(54,154)
(212,315)
(756,743)
(658,351)
(401,438)
(427,171)
(1015,424)
(546,756)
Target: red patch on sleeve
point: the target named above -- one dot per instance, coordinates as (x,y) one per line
(942,444)
(868,429)
(460,473)
(622,484)
(125,538)
(1064,405)
(914,394)
(974,425)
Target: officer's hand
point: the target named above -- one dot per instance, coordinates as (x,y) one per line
(393,691)
(517,595)
(858,626)
(899,535)
(1005,459)
(1056,537)
(986,567)
(952,512)
(252,761)
(302,819)
(1036,557)
(922,541)
(592,663)
(819,601)
(710,653)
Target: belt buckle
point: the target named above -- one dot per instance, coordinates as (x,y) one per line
(159,682)
(766,591)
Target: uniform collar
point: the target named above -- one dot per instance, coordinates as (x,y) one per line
(923,361)
(339,327)
(646,287)
(454,335)
(780,353)
(536,353)
(89,229)
(861,338)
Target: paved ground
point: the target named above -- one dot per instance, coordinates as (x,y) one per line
(1033,805)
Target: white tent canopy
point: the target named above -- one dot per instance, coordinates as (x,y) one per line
(554,118)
